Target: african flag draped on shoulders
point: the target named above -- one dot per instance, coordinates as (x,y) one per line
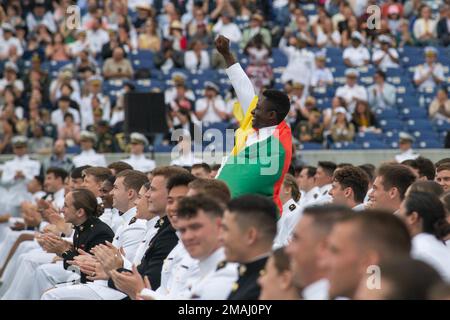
(260,158)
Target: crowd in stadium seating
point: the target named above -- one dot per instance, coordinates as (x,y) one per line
(351,86)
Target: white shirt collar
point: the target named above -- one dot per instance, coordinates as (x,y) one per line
(359,207)
(88,152)
(210,263)
(127,216)
(22,158)
(324,189)
(59,194)
(137,156)
(317,290)
(289,203)
(151,223)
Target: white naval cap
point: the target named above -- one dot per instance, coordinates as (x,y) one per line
(351,72)
(211,85)
(137,137)
(87,135)
(404,136)
(19,141)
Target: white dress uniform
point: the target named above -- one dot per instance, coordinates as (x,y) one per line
(178,267)
(309,197)
(292,213)
(437,70)
(128,237)
(98,291)
(17,189)
(407,155)
(140,163)
(89,157)
(324,196)
(112,218)
(427,248)
(317,290)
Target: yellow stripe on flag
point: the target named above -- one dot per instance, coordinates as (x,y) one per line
(245,125)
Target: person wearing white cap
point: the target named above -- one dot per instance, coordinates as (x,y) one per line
(172,93)
(86,110)
(424,28)
(88,156)
(211,108)
(16,174)
(9,40)
(182,154)
(351,92)
(356,55)
(10,78)
(301,63)
(431,73)
(137,158)
(40,15)
(405,146)
(386,56)
(342,129)
(322,75)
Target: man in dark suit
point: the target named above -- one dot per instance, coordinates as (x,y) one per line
(248,229)
(443,26)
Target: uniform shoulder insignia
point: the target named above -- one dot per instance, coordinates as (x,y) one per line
(242,270)
(133,220)
(315,196)
(292,207)
(221,265)
(235,287)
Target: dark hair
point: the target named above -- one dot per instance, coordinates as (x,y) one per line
(382,231)
(279,102)
(77,173)
(189,207)
(181,179)
(281,260)
(443,167)
(408,279)
(58,173)
(168,171)
(442,161)
(425,167)
(258,212)
(133,179)
(328,167)
(369,169)
(68,115)
(355,179)
(325,216)
(311,171)
(428,187)
(289,181)
(203,165)
(381,73)
(99,173)
(430,210)
(445,198)
(39,179)
(213,188)
(119,166)
(396,176)
(86,200)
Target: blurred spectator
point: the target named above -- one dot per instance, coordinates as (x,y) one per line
(386,56)
(65,77)
(256,27)
(322,76)
(342,130)
(197,57)
(326,36)
(58,116)
(150,38)
(118,67)
(363,118)
(227,28)
(80,44)
(202,34)
(405,147)
(50,129)
(85,62)
(440,106)
(329,114)
(381,94)
(58,159)
(405,38)
(168,57)
(179,41)
(351,92)
(40,16)
(303,31)
(108,48)
(425,27)
(144,14)
(96,36)
(199,20)
(94,99)
(10,107)
(118,113)
(297,96)
(38,143)
(412,8)
(137,159)
(186,121)
(431,73)
(300,60)
(178,89)
(88,156)
(311,130)
(211,108)
(11,79)
(259,69)
(443,26)
(9,41)
(70,132)
(357,54)
(8,132)
(394,19)
(106,142)
(57,50)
